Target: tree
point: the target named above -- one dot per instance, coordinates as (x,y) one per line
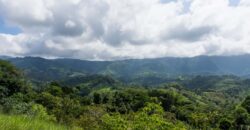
(39,112)
(52,103)
(241,117)
(129,100)
(91,117)
(12,80)
(97,98)
(246,104)
(54,89)
(115,122)
(225,124)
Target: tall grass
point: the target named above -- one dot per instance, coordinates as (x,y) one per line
(26,123)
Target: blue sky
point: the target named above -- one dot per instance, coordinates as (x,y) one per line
(7,29)
(234,2)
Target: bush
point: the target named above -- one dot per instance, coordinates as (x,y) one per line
(225,124)
(39,112)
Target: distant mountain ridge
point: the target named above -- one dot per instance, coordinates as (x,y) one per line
(126,70)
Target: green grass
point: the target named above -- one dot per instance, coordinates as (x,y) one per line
(27,123)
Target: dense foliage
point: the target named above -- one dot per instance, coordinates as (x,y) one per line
(144,71)
(100,102)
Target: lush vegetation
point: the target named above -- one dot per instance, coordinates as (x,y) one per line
(144,71)
(102,103)
(15,122)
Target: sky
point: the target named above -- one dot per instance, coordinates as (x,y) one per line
(122,29)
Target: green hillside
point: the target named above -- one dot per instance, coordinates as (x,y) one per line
(98,102)
(160,69)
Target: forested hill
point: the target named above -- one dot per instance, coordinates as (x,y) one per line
(101,103)
(127,70)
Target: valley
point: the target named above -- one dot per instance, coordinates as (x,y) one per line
(143,94)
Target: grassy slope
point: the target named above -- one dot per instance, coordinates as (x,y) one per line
(26,123)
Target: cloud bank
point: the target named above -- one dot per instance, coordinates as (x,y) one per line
(118,29)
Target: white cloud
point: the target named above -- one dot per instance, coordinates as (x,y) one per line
(70,24)
(116,29)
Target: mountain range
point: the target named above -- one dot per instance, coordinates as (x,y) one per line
(42,69)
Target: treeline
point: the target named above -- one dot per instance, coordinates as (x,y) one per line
(113,106)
